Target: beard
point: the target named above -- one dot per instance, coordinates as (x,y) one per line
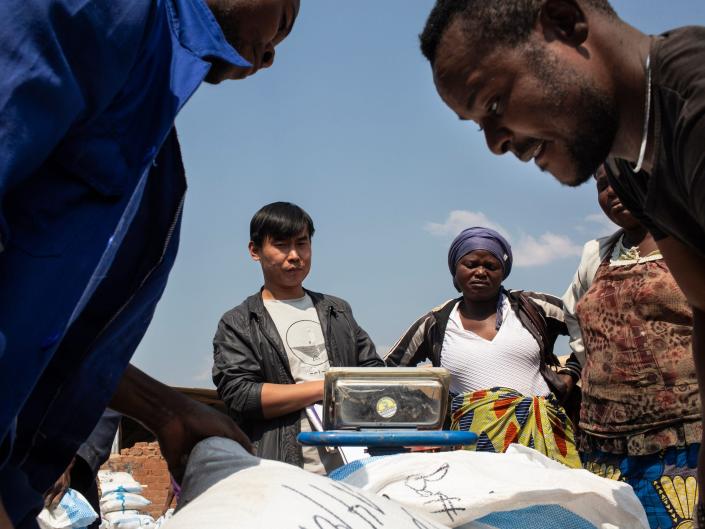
(596,130)
(597,117)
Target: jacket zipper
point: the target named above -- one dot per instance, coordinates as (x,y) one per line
(169,235)
(329,332)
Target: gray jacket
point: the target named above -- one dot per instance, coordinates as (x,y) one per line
(247,352)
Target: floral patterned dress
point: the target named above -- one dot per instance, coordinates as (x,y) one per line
(640,415)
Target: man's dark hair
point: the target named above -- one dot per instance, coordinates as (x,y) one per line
(495,22)
(279,220)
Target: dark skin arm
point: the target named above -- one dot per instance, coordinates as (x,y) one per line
(688,268)
(569,382)
(53,496)
(5,522)
(169,499)
(178,422)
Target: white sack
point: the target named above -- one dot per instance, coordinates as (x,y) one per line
(116,515)
(262,494)
(117,482)
(133,522)
(458,487)
(72,512)
(122,501)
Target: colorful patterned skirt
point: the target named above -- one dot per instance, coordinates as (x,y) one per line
(502,416)
(665,482)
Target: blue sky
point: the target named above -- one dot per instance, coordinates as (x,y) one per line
(348,125)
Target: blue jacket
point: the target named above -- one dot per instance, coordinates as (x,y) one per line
(91,192)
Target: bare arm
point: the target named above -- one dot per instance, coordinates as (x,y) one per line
(5,522)
(281,399)
(688,268)
(169,499)
(177,421)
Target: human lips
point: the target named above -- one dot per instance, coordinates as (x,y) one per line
(539,155)
(538,152)
(617,207)
(533,151)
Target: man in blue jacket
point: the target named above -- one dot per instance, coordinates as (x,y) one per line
(91,194)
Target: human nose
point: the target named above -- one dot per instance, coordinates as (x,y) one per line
(499,139)
(268,56)
(481,271)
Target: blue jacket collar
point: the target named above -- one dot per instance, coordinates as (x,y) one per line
(197,30)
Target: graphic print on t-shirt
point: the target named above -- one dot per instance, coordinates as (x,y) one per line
(306,342)
(299,328)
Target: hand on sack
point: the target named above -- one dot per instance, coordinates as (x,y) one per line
(52,497)
(192,423)
(178,422)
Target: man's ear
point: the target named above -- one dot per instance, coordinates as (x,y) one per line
(254,251)
(564,20)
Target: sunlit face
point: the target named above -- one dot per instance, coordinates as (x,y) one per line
(610,203)
(285,262)
(253,28)
(479,275)
(530,101)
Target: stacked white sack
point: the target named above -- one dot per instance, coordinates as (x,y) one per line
(121,503)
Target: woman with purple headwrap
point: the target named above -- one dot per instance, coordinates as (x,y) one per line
(498,346)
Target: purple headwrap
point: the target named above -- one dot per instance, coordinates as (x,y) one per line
(479,238)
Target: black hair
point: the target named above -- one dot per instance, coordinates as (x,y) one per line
(503,22)
(279,220)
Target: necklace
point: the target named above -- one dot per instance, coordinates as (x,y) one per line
(647,115)
(623,255)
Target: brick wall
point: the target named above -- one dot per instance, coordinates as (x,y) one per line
(146,464)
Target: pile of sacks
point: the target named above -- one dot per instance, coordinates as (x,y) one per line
(122,504)
(226,486)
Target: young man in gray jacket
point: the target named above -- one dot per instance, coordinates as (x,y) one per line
(270,352)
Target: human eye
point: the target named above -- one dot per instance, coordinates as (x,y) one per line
(493,107)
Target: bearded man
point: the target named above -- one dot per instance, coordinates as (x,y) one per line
(568,84)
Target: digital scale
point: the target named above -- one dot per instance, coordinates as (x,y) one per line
(387,410)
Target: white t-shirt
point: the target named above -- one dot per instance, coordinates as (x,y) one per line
(300,330)
(509,360)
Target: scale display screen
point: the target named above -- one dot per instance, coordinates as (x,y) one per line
(405,397)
